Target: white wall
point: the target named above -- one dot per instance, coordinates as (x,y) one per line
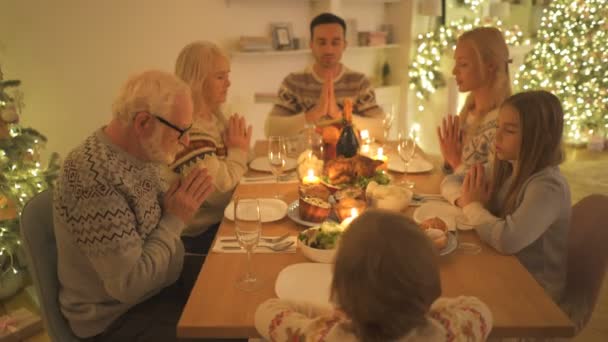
(73,55)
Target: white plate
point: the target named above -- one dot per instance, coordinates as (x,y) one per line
(271,209)
(262,164)
(417,165)
(305,282)
(452,244)
(452,215)
(293,212)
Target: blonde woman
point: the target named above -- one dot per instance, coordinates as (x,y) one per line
(482,69)
(385,287)
(218,144)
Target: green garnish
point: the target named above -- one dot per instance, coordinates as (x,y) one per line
(325,236)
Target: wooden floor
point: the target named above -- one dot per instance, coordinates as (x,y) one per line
(587,172)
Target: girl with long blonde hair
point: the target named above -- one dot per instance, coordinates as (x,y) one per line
(525,208)
(217,144)
(385,287)
(482,69)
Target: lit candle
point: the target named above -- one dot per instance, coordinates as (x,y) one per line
(310,178)
(346,222)
(380,155)
(365,136)
(365,149)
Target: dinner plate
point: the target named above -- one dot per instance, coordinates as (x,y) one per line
(271,209)
(293,212)
(451,245)
(305,282)
(451,215)
(417,165)
(262,164)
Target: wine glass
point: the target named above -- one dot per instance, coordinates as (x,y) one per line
(387,122)
(277,157)
(406,146)
(248,228)
(314,142)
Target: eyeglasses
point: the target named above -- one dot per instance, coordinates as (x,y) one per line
(182,131)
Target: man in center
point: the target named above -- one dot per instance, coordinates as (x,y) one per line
(318,92)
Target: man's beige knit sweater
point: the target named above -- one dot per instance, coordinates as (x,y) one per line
(115,246)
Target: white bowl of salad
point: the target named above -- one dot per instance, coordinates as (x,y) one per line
(319,243)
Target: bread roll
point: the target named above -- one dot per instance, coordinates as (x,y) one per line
(438,237)
(434,222)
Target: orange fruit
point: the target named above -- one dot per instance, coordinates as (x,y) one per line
(331,134)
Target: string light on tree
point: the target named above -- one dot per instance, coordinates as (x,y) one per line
(425,76)
(569,60)
(21,177)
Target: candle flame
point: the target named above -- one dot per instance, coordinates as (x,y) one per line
(380,152)
(311,173)
(353,212)
(364,134)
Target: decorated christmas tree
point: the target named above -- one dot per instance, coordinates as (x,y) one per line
(570,59)
(21,177)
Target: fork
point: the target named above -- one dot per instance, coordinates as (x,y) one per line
(283,178)
(276,248)
(265,239)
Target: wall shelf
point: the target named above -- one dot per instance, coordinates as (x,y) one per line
(307,51)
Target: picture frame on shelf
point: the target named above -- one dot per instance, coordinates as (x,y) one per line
(282,36)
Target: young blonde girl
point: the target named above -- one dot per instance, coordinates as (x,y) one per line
(482,69)
(527,211)
(218,144)
(386,287)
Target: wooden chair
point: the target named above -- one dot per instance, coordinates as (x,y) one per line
(587,258)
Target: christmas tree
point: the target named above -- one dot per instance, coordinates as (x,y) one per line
(21,177)
(570,60)
(425,71)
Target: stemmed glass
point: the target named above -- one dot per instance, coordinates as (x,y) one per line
(277,157)
(406,146)
(387,122)
(248,228)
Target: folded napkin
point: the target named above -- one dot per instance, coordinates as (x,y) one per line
(217,247)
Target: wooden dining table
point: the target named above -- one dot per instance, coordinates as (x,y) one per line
(217,308)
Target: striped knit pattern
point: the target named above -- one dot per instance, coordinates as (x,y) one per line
(201,145)
(117,195)
(300,92)
(115,246)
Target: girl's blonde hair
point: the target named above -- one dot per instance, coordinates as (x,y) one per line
(541,124)
(490,47)
(385,277)
(194,65)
